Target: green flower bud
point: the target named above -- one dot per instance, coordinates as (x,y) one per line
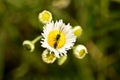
(29,45)
(48,57)
(80,51)
(77,31)
(61,60)
(45,16)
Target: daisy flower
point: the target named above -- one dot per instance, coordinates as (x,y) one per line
(58,37)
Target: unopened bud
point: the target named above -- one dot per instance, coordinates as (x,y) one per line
(48,57)
(77,31)
(80,51)
(62,60)
(29,45)
(45,16)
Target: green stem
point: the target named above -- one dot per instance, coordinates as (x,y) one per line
(36,39)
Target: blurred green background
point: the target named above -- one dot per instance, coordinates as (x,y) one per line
(100,20)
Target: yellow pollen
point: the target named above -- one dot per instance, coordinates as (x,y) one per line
(56,39)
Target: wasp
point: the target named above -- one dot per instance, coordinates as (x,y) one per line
(58,37)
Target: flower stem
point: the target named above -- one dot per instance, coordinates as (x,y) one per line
(36,39)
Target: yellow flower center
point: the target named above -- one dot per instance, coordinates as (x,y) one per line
(56,39)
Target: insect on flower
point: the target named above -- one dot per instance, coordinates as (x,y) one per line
(58,37)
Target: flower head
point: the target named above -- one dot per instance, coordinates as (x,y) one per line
(58,37)
(45,16)
(80,51)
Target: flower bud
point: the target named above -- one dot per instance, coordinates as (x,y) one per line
(48,57)
(45,16)
(62,59)
(77,31)
(80,51)
(29,45)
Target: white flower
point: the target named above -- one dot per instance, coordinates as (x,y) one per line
(80,51)
(58,37)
